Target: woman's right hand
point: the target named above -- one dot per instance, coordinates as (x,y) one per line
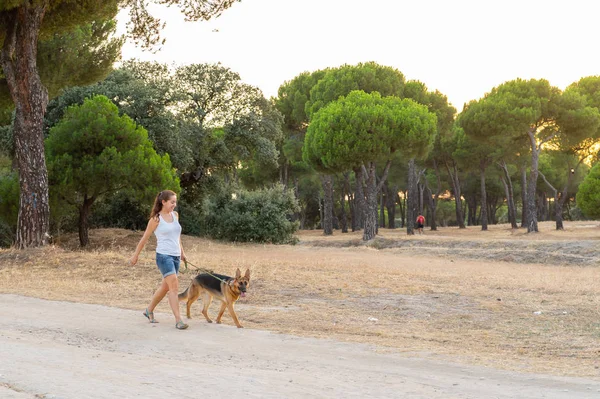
(133,260)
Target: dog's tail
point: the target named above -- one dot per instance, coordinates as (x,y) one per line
(184,295)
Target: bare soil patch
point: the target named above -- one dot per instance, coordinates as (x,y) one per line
(510,301)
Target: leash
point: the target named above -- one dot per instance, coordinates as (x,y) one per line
(203,270)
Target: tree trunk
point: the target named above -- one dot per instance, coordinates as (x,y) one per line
(434,199)
(370,229)
(421,187)
(471,201)
(455,180)
(543,209)
(524,201)
(350,200)
(84,213)
(484,214)
(532,223)
(508,189)
(30,98)
(411,206)
(344,218)
(359,199)
(559,201)
(286,167)
(372,188)
(382,207)
(390,203)
(432,202)
(297,214)
(327,220)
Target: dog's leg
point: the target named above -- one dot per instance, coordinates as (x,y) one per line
(193,295)
(221,311)
(233,315)
(206,300)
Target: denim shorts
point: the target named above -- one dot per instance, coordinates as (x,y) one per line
(167,264)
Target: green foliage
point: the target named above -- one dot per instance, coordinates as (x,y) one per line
(368,77)
(364,128)
(445,213)
(147,102)
(93,152)
(214,97)
(120,211)
(588,196)
(9,207)
(76,46)
(190,218)
(253,216)
(9,198)
(293,96)
(6,141)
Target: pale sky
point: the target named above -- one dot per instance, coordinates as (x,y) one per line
(461,47)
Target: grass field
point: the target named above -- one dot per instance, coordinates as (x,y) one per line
(501,298)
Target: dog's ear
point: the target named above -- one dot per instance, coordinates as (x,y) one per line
(247,275)
(238,273)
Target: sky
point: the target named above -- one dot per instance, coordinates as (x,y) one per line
(463,48)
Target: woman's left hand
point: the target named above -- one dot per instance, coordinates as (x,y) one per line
(183,258)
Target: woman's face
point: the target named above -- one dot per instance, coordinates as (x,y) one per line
(170,204)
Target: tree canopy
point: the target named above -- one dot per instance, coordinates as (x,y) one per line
(93,152)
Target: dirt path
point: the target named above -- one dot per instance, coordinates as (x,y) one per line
(51,349)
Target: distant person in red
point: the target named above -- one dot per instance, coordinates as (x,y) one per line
(420,223)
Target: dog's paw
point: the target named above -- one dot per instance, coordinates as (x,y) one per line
(209,321)
(240,326)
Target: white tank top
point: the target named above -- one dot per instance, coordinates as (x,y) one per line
(167,236)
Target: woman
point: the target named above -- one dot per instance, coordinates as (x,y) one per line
(164,223)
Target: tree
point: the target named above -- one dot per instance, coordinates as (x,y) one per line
(94,152)
(481,146)
(360,129)
(588,195)
(437,103)
(239,126)
(540,113)
(291,100)
(22,23)
(527,109)
(335,83)
(214,98)
(149,102)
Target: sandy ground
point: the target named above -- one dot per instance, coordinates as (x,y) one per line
(54,349)
(450,314)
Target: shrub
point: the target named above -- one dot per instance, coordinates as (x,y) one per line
(121,211)
(253,216)
(588,196)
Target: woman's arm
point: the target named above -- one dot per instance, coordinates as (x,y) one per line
(183,257)
(152,225)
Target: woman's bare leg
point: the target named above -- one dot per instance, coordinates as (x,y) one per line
(173,287)
(158,295)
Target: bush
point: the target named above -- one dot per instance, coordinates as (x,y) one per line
(121,211)
(9,208)
(190,219)
(253,216)
(9,198)
(588,196)
(7,235)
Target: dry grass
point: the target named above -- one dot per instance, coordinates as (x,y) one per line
(468,309)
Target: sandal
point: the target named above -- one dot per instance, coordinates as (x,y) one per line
(180,325)
(150,316)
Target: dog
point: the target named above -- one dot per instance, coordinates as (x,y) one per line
(228,291)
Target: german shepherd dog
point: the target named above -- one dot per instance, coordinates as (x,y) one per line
(227,291)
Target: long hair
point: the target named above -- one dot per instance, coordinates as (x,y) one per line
(162,196)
